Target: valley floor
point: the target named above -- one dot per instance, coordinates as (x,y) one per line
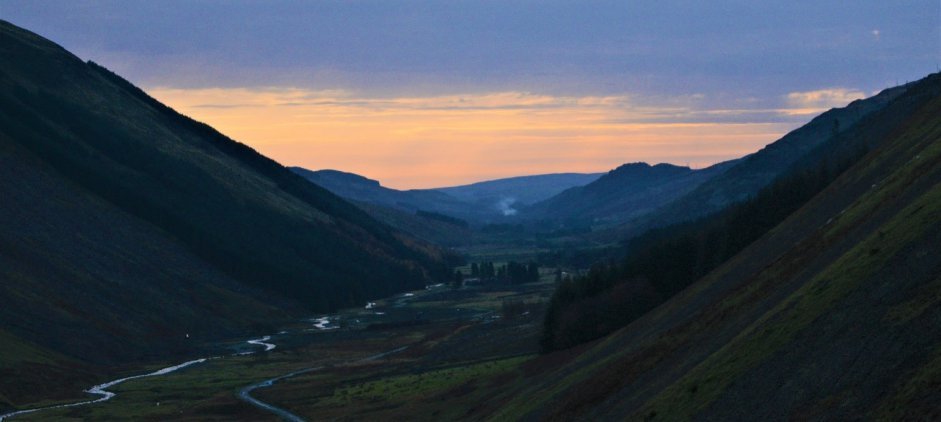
(449,349)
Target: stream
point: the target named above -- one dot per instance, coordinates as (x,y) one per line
(245,393)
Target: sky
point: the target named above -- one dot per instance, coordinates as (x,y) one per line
(421,94)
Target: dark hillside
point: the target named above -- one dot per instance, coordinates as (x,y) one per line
(831,315)
(127,227)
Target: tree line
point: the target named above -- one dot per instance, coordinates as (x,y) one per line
(511,273)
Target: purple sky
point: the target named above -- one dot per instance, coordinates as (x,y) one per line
(702,58)
(571,48)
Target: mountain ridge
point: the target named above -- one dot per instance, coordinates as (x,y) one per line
(482,202)
(524,190)
(755,171)
(626,192)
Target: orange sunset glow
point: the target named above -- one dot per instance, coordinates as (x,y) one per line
(423,142)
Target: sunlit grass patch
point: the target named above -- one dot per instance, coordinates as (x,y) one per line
(707,381)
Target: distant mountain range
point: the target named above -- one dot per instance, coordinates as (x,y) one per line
(562,199)
(482,202)
(624,202)
(361,189)
(129,231)
(510,194)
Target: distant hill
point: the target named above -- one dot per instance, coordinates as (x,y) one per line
(511,193)
(752,173)
(627,192)
(131,232)
(830,313)
(361,189)
(481,203)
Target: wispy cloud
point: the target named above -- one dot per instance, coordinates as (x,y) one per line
(266,97)
(425,141)
(810,102)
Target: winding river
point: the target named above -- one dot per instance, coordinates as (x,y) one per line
(261,342)
(105,395)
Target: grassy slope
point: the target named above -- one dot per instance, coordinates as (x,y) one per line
(736,336)
(38,369)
